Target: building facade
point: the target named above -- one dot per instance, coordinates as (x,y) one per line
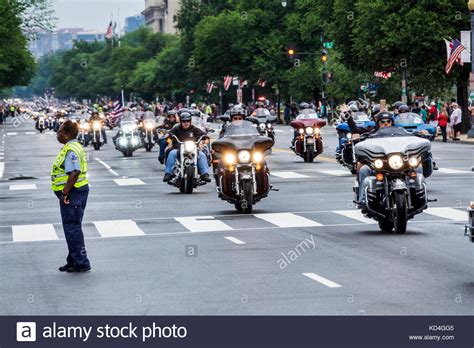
(159,15)
(133,23)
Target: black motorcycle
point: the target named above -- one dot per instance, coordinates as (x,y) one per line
(264,122)
(241,173)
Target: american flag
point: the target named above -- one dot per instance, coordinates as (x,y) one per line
(210,86)
(262,83)
(110,31)
(383,74)
(454,53)
(243,83)
(117,109)
(227,82)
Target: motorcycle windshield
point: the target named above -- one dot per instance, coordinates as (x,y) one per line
(128,126)
(242,136)
(408,118)
(307,113)
(149,116)
(128,116)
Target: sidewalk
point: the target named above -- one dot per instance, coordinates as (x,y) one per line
(463,137)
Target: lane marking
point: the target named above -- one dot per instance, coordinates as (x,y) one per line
(287,220)
(129,182)
(12,133)
(2,168)
(235,240)
(118,228)
(203,224)
(23,187)
(355,215)
(452,171)
(288,175)
(322,280)
(30,133)
(109,168)
(336,172)
(447,213)
(34,233)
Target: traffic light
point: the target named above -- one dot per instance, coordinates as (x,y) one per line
(324,56)
(291,51)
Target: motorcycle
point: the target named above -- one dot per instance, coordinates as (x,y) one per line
(347,156)
(58,123)
(397,192)
(41,124)
(50,123)
(129,138)
(186,176)
(148,126)
(83,136)
(308,140)
(469,228)
(96,137)
(241,173)
(264,122)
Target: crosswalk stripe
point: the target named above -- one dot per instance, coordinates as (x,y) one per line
(287,220)
(30,133)
(129,182)
(203,224)
(447,213)
(355,215)
(23,187)
(12,133)
(2,168)
(322,280)
(336,172)
(118,228)
(288,175)
(235,240)
(453,171)
(34,233)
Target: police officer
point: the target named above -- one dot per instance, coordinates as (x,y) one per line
(69,183)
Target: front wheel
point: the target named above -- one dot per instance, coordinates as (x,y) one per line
(400,214)
(247,201)
(386,225)
(97,146)
(148,147)
(188,180)
(309,156)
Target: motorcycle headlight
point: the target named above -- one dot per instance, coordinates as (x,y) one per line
(41,118)
(244,156)
(349,136)
(86,126)
(309,130)
(413,162)
(317,130)
(123,142)
(96,125)
(262,126)
(257,157)
(229,158)
(149,125)
(135,141)
(127,129)
(378,163)
(269,125)
(395,162)
(61,119)
(301,130)
(189,146)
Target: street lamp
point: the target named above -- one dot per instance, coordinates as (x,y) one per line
(470,4)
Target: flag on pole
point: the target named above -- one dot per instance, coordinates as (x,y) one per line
(210,86)
(383,74)
(117,110)
(262,83)
(227,82)
(454,54)
(110,31)
(242,83)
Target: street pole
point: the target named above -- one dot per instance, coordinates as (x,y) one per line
(221,106)
(325,114)
(123,98)
(470,4)
(404,86)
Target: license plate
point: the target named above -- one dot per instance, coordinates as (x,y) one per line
(309,140)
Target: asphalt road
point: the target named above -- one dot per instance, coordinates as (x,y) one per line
(305,250)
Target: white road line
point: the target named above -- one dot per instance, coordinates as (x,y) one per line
(23,187)
(235,240)
(12,133)
(203,224)
(288,175)
(447,213)
(336,172)
(118,228)
(453,171)
(33,233)
(30,133)
(2,168)
(129,182)
(287,220)
(322,280)
(107,166)
(356,215)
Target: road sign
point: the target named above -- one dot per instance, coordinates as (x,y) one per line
(328,44)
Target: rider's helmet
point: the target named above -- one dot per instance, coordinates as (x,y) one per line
(375,109)
(397,104)
(304,106)
(171,113)
(403,108)
(353,108)
(260,104)
(193,106)
(237,111)
(185,116)
(384,115)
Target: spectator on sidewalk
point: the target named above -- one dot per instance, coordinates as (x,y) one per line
(424,114)
(456,121)
(433,114)
(443,123)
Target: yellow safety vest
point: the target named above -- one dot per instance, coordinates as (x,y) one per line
(58,175)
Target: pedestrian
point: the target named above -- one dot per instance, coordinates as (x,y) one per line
(456,121)
(433,114)
(443,122)
(287,114)
(70,184)
(424,114)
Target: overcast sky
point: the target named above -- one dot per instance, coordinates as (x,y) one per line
(94,14)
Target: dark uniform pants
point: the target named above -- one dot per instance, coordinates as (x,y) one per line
(71,215)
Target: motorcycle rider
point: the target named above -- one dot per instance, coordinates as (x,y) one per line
(237,114)
(186,132)
(303,106)
(95,117)
(167,125)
